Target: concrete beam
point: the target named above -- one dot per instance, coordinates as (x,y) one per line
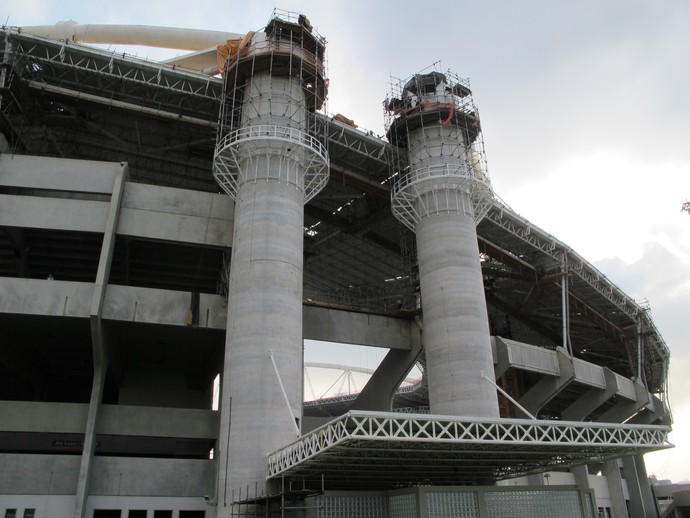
(147,211)
(122,303)
(52,213)
(153,477)
(334,325)
(501,355)
(158,422)
(30,416)
(589,374)
(625,408)
(35,417)
(549,386)
(655,412)
(378,393)
(154,306)
(518,355)
(179,215)
(592,399)
(58,298)
(57,174)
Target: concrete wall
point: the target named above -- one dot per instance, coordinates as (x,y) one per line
(52,213)
(157,422)
(150,504)
(124,303)
(57,174)
(54,506)
(152,477)
(62,506)
(36,474)
(70,418)
(331,325)
(153,306)
(58,298)
(25,474)
(29,416)
(176,215)
(52,195)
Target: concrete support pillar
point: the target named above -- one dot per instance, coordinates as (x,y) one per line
(655,412)
(642,502)
(264,317)
(581,474)
(624,409)
(85,468)
(614,483)
(456,328)
(378,393)
(441,196)
(592,399)
(270,164)
(549,386)
(99,343)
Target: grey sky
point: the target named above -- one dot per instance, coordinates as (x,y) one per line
(584,107)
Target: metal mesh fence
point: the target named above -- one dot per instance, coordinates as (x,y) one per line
(533,504)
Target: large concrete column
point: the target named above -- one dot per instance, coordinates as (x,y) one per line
(269,165)
(456,329)
(100,342)
(614,482)
(642,501)
(438,125)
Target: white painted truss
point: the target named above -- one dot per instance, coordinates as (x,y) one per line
(238,154)
(440,181)
(423,449)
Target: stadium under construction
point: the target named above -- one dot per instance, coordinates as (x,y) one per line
(164,225)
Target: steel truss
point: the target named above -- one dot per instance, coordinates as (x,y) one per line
(125,78)
(503,216)
(445,449)
(93,75)
(244,145)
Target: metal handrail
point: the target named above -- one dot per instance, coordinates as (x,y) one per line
(274,132)
(421,174)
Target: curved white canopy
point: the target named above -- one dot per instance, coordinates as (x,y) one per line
(146,35)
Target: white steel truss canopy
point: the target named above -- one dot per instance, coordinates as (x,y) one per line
(369,450)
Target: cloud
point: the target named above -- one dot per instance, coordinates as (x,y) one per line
(662,276)
(672,464)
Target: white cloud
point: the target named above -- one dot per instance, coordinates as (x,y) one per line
(607,205)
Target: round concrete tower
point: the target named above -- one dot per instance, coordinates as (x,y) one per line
(270,162)
(440,192)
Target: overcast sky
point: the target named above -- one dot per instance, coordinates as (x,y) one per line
(585,111)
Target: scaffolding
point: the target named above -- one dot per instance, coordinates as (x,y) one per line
(454,159)
(286,59)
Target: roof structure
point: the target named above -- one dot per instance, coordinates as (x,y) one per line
(558,326)
(68,100)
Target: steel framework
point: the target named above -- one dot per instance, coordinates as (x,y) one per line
(394,447)
(65,77)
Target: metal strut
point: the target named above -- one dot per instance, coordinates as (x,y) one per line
(282,389)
